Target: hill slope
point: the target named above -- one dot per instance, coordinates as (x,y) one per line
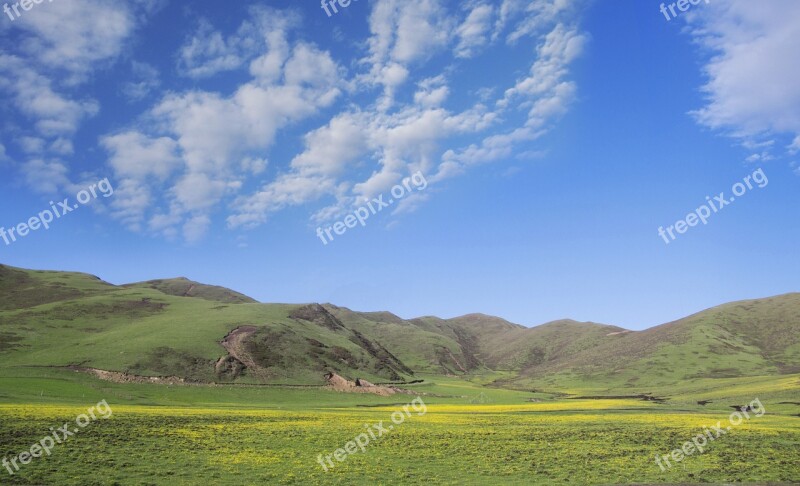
(206,333)
(748,338)
(183,287)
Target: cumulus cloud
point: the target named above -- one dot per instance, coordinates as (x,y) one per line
(139,163)
(363,122)
(752,90)
(135,155)
(432,92)
(393,139)
(31,145)
(208,51)
(46,176)
(44,71)
(33,95)
(475,31)
(518,19)
(206,144)
(404,32)
(76,36)
(145,80)
(795,146)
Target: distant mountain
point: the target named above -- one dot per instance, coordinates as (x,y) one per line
(747,338)
(207,333)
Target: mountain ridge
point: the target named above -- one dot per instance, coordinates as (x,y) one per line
(178,327)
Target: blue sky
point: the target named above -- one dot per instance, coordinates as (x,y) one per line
(555,138)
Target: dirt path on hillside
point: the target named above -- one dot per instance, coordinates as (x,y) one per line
(234,345)
(119,377)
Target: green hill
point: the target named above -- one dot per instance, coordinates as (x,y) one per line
(206,333)
(747,338)
(183,287)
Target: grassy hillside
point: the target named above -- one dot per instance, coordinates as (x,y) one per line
(21,289)
(211,334)
(183,287)
(177,328)
(748,338)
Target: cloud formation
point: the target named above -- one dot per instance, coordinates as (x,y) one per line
(752,90)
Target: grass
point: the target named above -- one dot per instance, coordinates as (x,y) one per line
(592,442)
(250,435)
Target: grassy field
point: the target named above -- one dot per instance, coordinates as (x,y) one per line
(468,434)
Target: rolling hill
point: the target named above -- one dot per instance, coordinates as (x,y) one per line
(179,328)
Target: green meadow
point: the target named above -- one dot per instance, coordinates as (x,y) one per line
(468,434)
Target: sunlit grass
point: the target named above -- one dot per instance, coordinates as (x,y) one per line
(584,441)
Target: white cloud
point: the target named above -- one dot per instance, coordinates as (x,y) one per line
(399,144)
(432,92)
(404,32)
(33,95)
(545,92)
(795,146)
(195,150)
(394,144)
(475,31)
(762,157)
(254,165)
(146,79)
(131,199)
(47,176)
(209,52)
(55,51)
(267,68)
(214,131)
(422,28)
(139,164)
(528,18)
(562,45)
(752,88)
(78,35)
(197,191)
(62,146)
(31,145)
(312,67)
(214,142)
(196,228)
(135,155)
(329,152)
